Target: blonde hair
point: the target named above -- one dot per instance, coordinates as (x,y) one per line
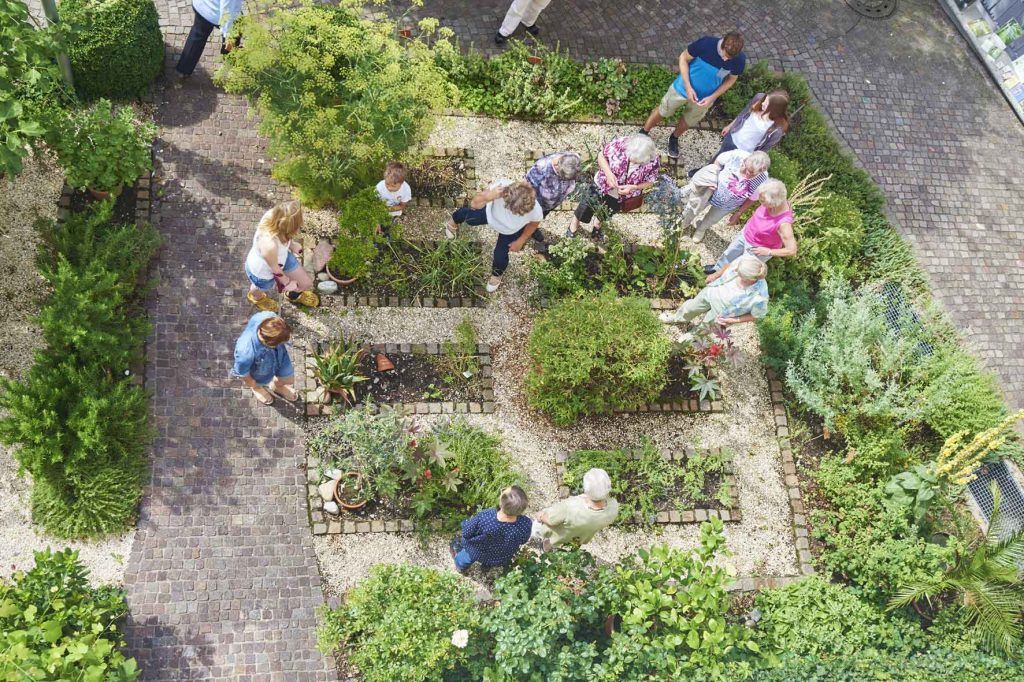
(751,268)
(283,221)
(758,162)
(519,197)
(772,193)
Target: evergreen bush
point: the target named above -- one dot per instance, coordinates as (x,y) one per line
(595,354)
(115,47)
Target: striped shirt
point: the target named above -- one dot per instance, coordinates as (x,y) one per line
(733,189)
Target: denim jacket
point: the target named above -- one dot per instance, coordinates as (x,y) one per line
(771,137)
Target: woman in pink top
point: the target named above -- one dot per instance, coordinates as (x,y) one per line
(768,233)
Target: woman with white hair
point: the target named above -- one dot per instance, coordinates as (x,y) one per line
(579,518)
(735,294)
(738,175)
(627,166)
(767,234)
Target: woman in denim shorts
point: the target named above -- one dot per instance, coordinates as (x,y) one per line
(271,262)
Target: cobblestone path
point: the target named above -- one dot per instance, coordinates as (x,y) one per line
(905,94)
(222,581)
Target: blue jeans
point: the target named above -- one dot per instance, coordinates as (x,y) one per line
(462,561)
(737,247)
(499,260)
(290,263)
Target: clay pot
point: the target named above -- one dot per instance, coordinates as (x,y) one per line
(405,32)
(384,363)
(533,59)
(357,479)
(339,280)
(99,194)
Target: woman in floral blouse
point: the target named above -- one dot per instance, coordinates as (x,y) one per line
(628,166)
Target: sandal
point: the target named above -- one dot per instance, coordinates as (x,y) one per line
(569,234)
(267,400)
(265,303)
(597,234)
(279,391)
(306,298)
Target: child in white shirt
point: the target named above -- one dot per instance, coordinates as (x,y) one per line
(393,189)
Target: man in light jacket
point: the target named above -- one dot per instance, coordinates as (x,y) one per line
(209,14)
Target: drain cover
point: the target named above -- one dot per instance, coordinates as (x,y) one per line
(873,9)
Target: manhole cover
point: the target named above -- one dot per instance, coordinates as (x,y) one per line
(873,9)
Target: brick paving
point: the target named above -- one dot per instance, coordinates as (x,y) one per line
(905,94)
(222,582)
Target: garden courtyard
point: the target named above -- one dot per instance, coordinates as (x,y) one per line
(792,492)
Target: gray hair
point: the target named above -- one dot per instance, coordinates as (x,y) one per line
(640,148)
(772,193)
(758,162)
(513,501)
(750,268)
(568,165)
(597,485)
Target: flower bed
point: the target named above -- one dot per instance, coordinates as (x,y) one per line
(653,487)
(440,177)
(418,384)
(409,479)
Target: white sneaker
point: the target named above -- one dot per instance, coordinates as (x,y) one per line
(698,236)
(492,286)
(449,230)
(668,318)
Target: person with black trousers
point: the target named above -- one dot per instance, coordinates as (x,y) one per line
(209,14)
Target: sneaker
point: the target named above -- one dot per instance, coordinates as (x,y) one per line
(693,172)
(265,304)
(698,236)
(450,229)
(569,234)
(710,269)
(643,131)
(500,39)
(668,318)
(532,30)
(673,147)
(492,284)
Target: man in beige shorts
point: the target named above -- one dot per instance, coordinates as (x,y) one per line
(707,68)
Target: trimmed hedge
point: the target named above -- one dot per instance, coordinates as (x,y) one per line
(116,48)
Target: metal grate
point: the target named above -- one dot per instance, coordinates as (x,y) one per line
(899,314)
(873,9)
(1011,499)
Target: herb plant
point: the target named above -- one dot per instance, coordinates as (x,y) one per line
(337,367)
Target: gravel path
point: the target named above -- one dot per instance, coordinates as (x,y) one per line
(761,544)
(24,199)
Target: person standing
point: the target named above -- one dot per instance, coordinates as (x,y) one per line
(708,67)
(767,234)
(739,175)
(393,189)
(554,178)
(523,12)
(760,126)
(209,14)
(493,537)
(512,210)
(579,518)
(262,361)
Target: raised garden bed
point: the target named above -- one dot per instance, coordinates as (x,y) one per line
(415,386)
(442,177)
(393,283)
(636,473)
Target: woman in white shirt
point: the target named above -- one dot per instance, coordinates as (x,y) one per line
(759,127)
(271,261)
(512,210)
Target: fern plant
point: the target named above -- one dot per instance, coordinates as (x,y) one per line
(984,582)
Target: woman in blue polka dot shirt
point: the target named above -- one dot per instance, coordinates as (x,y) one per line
(493,537)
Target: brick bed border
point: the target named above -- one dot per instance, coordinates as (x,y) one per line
(694,515)
(313,395)
(688,405)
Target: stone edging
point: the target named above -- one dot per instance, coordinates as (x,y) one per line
(796,502)
(688,405)
(695,515)
(480,300)
(314,395)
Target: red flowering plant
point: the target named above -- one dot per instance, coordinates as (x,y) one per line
(706,349)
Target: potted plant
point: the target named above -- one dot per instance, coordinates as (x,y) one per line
(101,149)
(336,367)
(350,492)
(356,244)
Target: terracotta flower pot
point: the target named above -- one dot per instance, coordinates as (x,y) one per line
(384,363)
(357,480)
(405,32)
(534,59)
(339,280)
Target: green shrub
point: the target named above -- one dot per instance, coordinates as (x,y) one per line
(853,370)
(816,618)
(595,354)
(564,271)
(887,257)
(55,626)
(955,394)
(934,665)
(760,77)
(116,49)
(785,169)
(358,231)
(879,454)
(876,549)
(779,331)
(828,244)
(99,502)
(33,91)
(337,94)
(104,149)
(398,623)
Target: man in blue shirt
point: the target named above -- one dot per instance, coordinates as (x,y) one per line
(209,14)
(261,358)
(707,68)
(493,537)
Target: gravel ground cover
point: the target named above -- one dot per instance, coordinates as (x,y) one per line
(761,543)
(23,200)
